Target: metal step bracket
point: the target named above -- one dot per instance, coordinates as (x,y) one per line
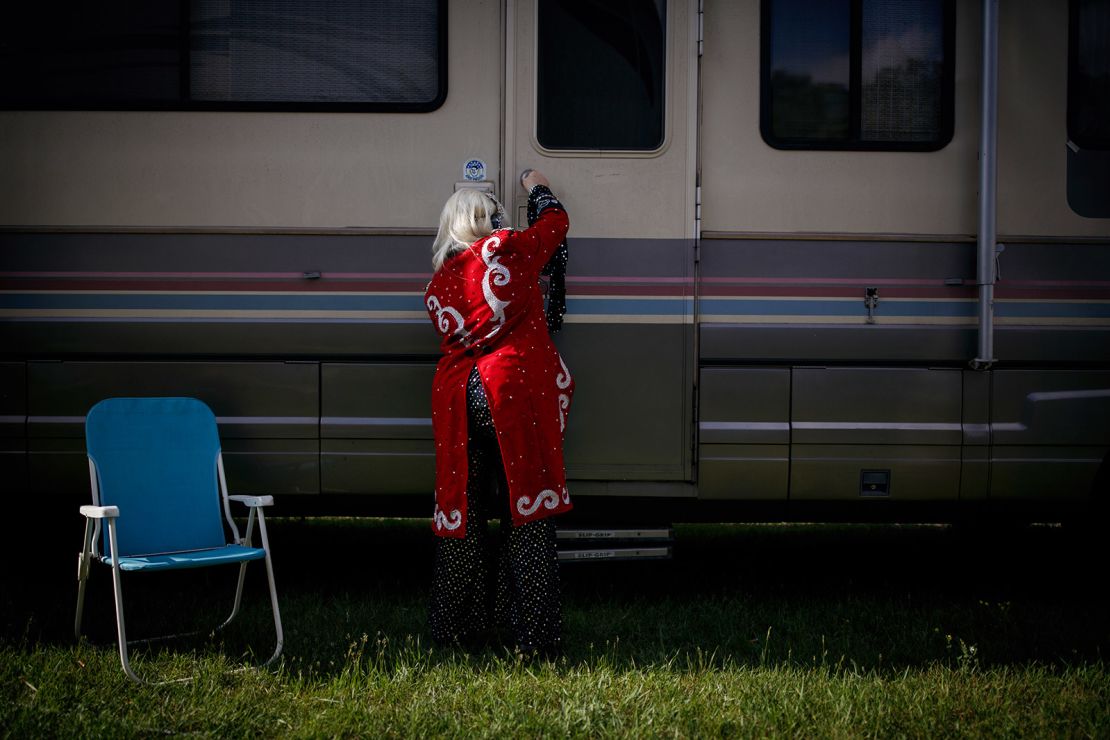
(595,544)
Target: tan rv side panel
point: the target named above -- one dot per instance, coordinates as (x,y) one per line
(1032,123)
(322,170)
(747,186)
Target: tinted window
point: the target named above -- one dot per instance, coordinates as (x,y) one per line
(1089,74)
(79,53)
(809,69)
(600,74)
(237,54)
(857,74)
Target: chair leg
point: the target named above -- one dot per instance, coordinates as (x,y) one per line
(83,576)
(238,596)
(121,630)
(242,572)
(273,590)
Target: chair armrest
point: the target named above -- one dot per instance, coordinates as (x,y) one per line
(253,501)
(100,512)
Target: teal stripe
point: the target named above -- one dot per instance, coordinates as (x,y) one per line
(646,306)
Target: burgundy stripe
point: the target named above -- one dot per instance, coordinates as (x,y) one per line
(677,291)
(213,275)
(895,291)
(626,279)
(188,286)
(1093,284)
(818,281)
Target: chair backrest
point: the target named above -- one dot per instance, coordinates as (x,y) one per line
(155,458)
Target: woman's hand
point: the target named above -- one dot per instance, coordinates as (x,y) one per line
(531,178)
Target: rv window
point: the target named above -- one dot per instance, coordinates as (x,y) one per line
(225,55)
(857,74)
(600,74)
(1089,74)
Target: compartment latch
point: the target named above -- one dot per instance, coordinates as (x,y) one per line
(874,483)
(871,302)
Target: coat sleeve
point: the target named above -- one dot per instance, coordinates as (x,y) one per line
(538,242)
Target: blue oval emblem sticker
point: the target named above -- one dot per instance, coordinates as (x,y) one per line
(474,170)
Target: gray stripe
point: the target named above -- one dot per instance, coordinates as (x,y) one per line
(372,421)
(877,461)
(750,426)
(217,253)
(219,420)
(880,425)
(763,258)
(346,252)
(1069,395)
(355,453)
(55,419)
(1009,427)
(1079,262)
(267,420)
(328,254)
(1041,460)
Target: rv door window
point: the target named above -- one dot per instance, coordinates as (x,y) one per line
(1089,74)
(857,74)
(600,70)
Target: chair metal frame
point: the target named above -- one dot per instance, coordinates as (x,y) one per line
(96,513)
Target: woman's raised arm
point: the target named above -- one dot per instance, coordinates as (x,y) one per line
(547,217)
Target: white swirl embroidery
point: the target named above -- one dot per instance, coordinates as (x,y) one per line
(444,315)
(564,406)
(526,506)
(443,521)
(496,274)
(562,380)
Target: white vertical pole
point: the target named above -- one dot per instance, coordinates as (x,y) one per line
(988,196)
(510,184)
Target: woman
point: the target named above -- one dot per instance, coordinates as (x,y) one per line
(499,403)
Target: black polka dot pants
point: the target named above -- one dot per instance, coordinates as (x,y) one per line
(492,580)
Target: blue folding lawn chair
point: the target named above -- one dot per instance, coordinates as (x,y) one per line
(158,481)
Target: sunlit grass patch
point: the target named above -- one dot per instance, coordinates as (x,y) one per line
(411,690)
(833,631)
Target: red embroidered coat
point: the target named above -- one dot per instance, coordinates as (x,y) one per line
(487,304)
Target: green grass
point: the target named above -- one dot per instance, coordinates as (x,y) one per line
(750,630)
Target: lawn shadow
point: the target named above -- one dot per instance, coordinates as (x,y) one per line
(863,597)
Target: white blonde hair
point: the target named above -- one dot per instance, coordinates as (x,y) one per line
(465,219)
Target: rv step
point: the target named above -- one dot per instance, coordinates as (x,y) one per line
(592,544)
(596,534)
(611,554)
